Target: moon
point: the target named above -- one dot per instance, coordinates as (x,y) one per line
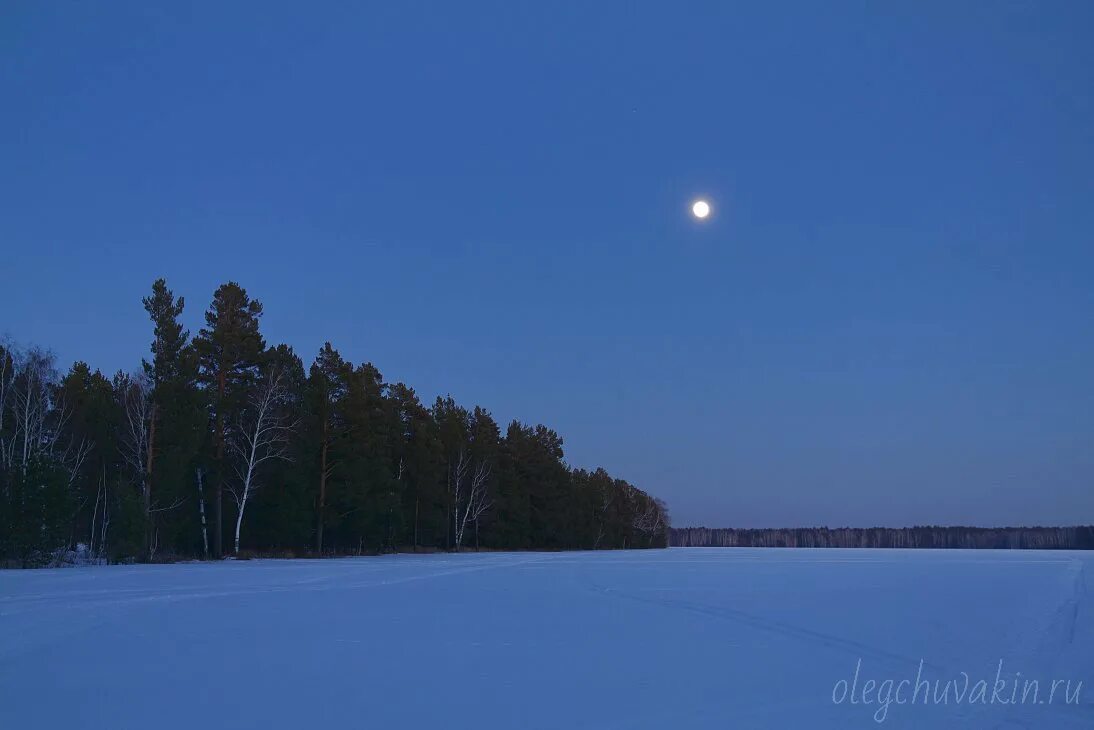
(700,209)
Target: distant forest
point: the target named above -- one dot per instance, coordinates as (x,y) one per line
(221,444)
(1014,538)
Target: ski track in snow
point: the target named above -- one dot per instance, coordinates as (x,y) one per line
(639,639)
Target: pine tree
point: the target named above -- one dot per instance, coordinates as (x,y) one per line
(327,425)
(230,349)
(355,464)
(416,449)
(88,406)
(365,504)
(170,338)
(169,373)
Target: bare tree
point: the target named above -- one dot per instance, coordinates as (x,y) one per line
(7,384)
(263,435)
(649,518)
(38,423)
(135,442)
(470,496)
(27,395)
(136,445)
(34,429)
(98,549)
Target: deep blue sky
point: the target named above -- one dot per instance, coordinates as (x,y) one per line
(890,319)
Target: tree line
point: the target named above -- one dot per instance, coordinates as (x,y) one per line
(220,443)
(1013,538)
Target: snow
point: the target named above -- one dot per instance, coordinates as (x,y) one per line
(684,637)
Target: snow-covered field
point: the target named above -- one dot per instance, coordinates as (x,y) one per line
(731,638)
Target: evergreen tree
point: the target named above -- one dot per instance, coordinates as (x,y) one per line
(538,475)
(230,349)
(365,505)
(343,463)
(174,421)
(91,422)
(416,449)
(327,425)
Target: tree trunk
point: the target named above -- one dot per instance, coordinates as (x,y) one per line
(218,518)
(239,522)
(201,507)
(148,482)
(322,492)
(218,533)
(448,512)
(94,516)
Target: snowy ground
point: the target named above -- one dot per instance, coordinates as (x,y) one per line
(728,638)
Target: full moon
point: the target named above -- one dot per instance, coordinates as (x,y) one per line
(700,209)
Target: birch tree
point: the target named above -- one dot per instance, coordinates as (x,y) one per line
(136,443)
(261,436)
(40,456)
(28,397)
(470,496)
(7,384)
(41,419)
(135,393)
(650,516)
(200,474)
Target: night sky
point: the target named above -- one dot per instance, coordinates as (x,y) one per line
(888,319)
